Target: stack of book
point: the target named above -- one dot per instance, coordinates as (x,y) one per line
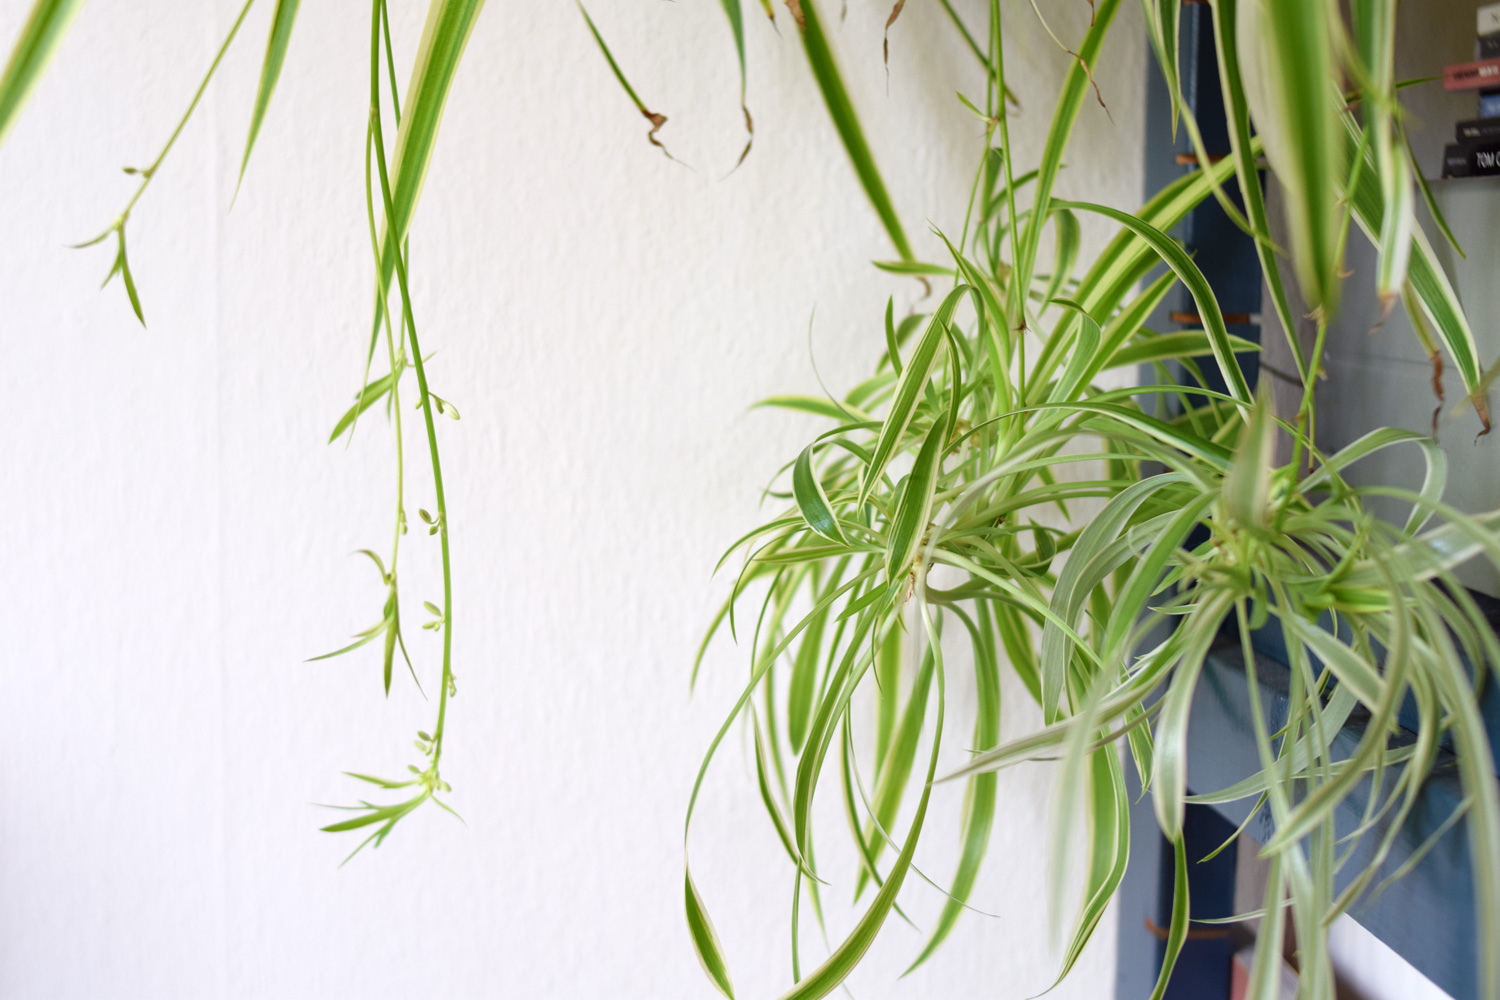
(1476,151)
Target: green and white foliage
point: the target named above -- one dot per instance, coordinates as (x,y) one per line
(985,416)
(984,420)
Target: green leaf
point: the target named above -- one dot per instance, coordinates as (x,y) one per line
(1083,363)
(1375,43)
(979,805)
(819,406)
(1162,27)
(392,633)
(1295,75)
(382,782)
(1109,841)
(1093,556)
(1247,486)
(1128,257)
(1266,969)
(1244,149)
(1433,208)
(1182,265)
(444,36)
(897,765)
(1435,479)
(377,814)
(1064,115)
(1352,670)
(841,109)
(803,684)
(758,673)
(361,639)
(1445,547)
(376,560)
(1146,575)
(1168,434)
(736,18)
(705,940)
(282,21)
(767,797)
(1170,346)
(1130,320)
(892,345)
(1178,929)
(1429,282)
(908,390)
(1068,237)
(367,397)
(807,488)
(40,36)
(1170,782)
(913,268)
(122,266)
(826,977)
(657,120)
(832,707)
(909,523)
(887,694)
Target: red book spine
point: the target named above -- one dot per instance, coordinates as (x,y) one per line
(1472,76)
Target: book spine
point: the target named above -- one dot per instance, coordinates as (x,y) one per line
(1477,130)
(1487,46)
(1472,76)
(1464,160)
(1488,19)
(1489,106)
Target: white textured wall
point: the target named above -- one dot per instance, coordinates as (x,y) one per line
(175,532)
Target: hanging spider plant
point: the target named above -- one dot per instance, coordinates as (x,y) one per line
(985,417)
(394,174)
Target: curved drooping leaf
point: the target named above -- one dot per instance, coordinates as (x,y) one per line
(1188,273)
(282,20)
(910,387)
(1287,53)
(826,977)
(656,119)
(812,501)
(979,805)
(706,939)
(444,37)
(841,109)
(40,36)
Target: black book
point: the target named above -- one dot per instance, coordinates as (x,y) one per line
(1472,160)
(1487,47)
(1477,130)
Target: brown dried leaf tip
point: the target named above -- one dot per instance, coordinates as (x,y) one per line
(657,121)
(1387,303)
(1437,390)
(886,46)
(749,138)
(795,6)
(1098,95)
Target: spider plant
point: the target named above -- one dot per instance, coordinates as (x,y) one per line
(394,173)
(1097,542)
(985,417)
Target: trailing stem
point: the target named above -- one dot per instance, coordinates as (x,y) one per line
(426,396)
(148,173)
